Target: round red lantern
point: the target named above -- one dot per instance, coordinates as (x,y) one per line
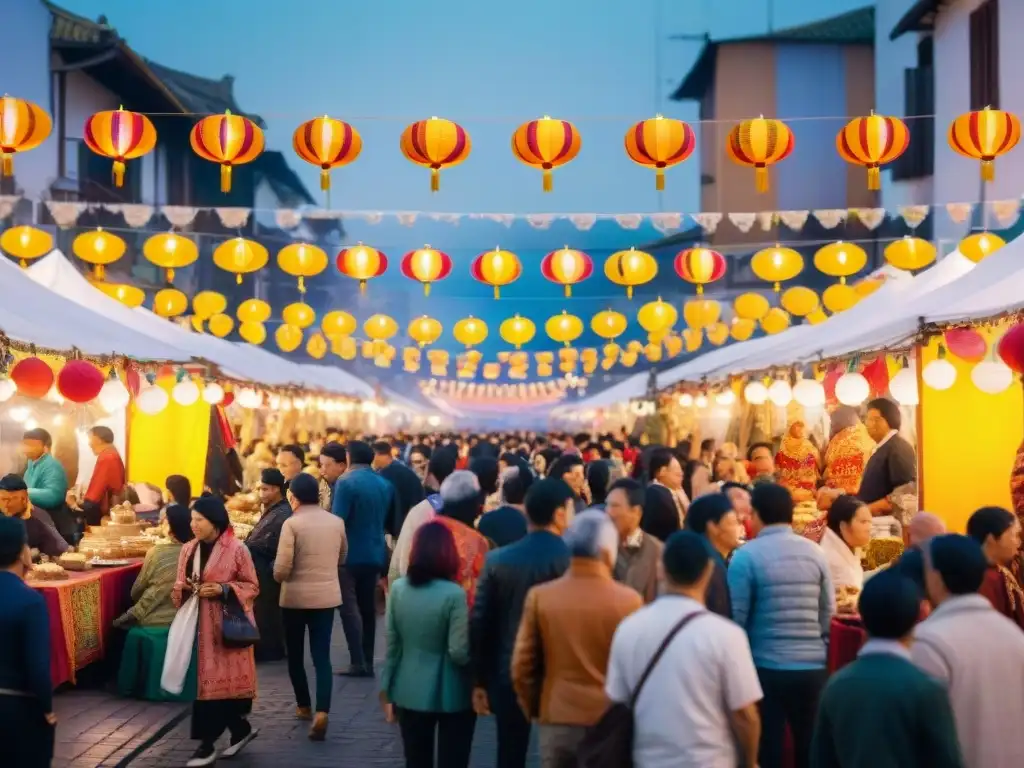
(33,377)
(967,344)
(79,381)
(1011,348)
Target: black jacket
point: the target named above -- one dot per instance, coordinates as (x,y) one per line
(408,490)
(661,516)
(508,574)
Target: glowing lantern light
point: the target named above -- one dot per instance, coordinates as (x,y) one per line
(984,135)
(852,388)
(170,251)
(546,144)
(755,393)
(79,381)
(839,298)
(742,328)
(496,268)
(776,265)
(298,314)
(799,301)
(288,337)
(98,248)
(871,142)
(128,295)
(186,392)
(229,140)
(910,253)
(631,268)
(253,311)
(869,285)
(717,333)
(470,332)
(206,304)
(362,263)
(152,400)
(780,392)
(660,143)
(700,313)
(425,330)
(254,333)
(564,328)
(980,245)
(327,143)
(435,144)
(23,126)
(759,143)
(700,266)
(302,260)
(657,316)
(809,393)
(113,395)
(517,330)
(840,260)
(751,306)
(119,136)
(817,316)
(338,324)
(26,243)
(380,327)
(992,376)
(213,393)
(426,265)
(608,324)
(220,325)
(240,257)
(776,321)
(170,302)
(316,347)
(939,374)
(250,398)
(567,267)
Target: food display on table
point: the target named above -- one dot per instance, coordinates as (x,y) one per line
(73,561)
(48,572)
(804,513)
(847,596)
(122,535)
(881,551)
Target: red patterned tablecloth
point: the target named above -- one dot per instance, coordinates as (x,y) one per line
(82,610)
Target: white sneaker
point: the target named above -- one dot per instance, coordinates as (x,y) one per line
(237,746)
(202,757)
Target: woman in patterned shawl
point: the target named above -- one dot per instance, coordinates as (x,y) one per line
(849,448)
(796,463)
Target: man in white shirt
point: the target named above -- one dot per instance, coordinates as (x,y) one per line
(698,708)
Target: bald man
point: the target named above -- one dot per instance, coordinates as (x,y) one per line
(923,527)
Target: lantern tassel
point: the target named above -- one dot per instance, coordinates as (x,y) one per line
(225,178)
(548,182)
(170,275)
(362,287)
(100,272)
(629,291)
(988,170)
(23,264)
(8,164)
(659,179)
(118,173)
(497,292)
(874,178)
(325,180)
(435,179)
(426,289)
(761,179)
(238,279)
(302,284)
(568,291)
(700,289)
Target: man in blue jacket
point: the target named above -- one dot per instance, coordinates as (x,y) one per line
(46,479)
(365,501)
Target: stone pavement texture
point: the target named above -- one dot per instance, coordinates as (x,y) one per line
(358,735)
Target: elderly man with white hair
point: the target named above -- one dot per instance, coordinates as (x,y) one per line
(565,637)
(462,501)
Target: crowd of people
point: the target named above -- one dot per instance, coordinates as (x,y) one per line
(542,579)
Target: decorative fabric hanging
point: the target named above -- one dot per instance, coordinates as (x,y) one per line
(984,135)
(546,144)
(496,268)
(327,143)
(435,144)
(426,265)
(759,144)
(23,126)
(660,143)
(302,260)
(567,267)
(700,266)
(119,136)
(229,140)
(872,142)
(240,257)
(362,263)
(170,251)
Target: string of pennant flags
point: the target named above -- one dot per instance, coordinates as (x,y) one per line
(66,214)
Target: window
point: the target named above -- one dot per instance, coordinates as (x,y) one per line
(985,55)
(918,161)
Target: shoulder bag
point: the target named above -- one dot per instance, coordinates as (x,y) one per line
(236,629)
(609,742)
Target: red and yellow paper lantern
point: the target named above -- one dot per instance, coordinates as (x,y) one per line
(984,135)
(631,268)
(426,265)
(170,251)
(496,268)
(23,126)
(362,263)
(759,143)
(567,267)
(435,144)
(700,266)
(240,257)
(546,144)
(873,141)
(660,143)
(327,143)
(120,136)
(229,140)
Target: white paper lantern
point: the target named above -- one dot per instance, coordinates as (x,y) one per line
(213,393)
(152,400)
(755,393)
(939,374)
(7,390)
(852,389)
(780,392)
(903,387)
(700,401)
(809,393)
(685,400)
(186,392)
(19,415)
(250,398)
(113,396)
(31,424)
(725,397)
(992,376)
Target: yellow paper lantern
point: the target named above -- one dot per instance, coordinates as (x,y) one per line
(980,245)
(362,263)
(26,243)
(653,353)
(776,321)
(170,302)
(817,316)
(206,304)
(240,257)
(344,347)
(717,333)
(253,311)
(220,325)
(673,345)
(100,249)
(743,328)
(128,295)
(693,338)
(608,324)
(380,327)
(299,314)
(751,306)
(657,316)
(869,286)
(170,251)
(337,324)
(840,260)
(776,265)
(630,269)
(839,297)
(252,332)
(316,347)
(302,260)
(288,337)
(564,328)
(799,301)
(517,330)
(425,330)
(700,313)
(196,323)
(470,331)
(910,253)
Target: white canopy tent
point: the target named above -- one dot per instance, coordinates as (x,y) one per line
(1001,294)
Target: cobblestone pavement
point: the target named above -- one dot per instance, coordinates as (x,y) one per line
(358,735)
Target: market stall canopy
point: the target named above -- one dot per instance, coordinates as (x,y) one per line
(336,380)
(628,389)
(1002,294)
(33,314)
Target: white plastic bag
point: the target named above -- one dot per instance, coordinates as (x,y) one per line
(181,640)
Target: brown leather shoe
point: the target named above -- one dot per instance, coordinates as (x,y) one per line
(318,731)
(304,713)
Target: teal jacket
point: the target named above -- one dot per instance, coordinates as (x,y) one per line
(47,482)
(427,663)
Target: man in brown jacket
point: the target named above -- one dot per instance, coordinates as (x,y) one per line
(565,637)
(639,552)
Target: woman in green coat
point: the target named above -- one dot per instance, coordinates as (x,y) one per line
(426,683)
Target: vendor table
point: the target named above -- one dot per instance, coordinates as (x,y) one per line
(82,610)
(846,637)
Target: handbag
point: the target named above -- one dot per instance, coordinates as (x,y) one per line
(236,629)
(609,742)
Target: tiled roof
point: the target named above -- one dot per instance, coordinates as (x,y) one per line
(919,18)
(69,27)
(201,95)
